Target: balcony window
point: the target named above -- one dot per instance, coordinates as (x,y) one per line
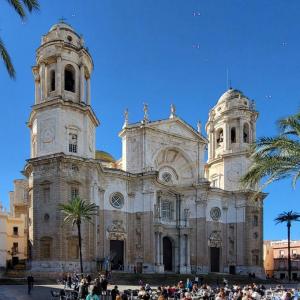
(15,231)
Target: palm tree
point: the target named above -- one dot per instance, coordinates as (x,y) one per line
(288,218)
(275,158)
(19,6)
(76,211)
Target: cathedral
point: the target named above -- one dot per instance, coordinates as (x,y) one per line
(165,206)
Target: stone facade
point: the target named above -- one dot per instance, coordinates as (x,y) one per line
(160,207)
(276,259)
(14,227)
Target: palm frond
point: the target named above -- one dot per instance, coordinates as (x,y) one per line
(7,60)
(31,5)
(78,210)
(18,7)
(276,158)
(287,217)
(290,125)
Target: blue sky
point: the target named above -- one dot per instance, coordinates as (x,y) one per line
(162,52)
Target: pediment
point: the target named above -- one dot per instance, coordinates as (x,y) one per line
(178,127)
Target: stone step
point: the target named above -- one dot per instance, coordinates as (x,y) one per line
(172,278)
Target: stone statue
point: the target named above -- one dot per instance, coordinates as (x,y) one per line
(173,111)
(125,118)
(199,125)
(146,117)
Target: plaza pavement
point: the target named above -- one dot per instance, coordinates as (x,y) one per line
(19,292)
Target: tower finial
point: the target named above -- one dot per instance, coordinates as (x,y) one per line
(173,111)
(229,87)
(62,20)
(146,116)
(125,118)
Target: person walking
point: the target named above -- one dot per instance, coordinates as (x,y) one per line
(92,295)
(114,292)
(30,281)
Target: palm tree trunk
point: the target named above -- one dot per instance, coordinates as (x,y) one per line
(79,242)
(289,250)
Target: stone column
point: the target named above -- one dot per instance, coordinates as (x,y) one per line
(182,245)
(161,249)
(226,136)
(253,131)
(188,257)
(213,144)
(43,81)
(82,83)
(186,249)
(59,76)
(37,90)
(157,260)
(210,152)
(88,91)
(241,136)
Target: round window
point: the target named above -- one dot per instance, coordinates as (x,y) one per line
(166,177)
(215,213)
(69,38)
(117,200)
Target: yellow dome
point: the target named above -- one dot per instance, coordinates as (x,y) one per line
(104,156)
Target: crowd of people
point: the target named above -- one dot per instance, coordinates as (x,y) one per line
(87,289)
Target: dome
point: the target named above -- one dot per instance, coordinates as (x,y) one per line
(231,94)
(62,25)
(104,156)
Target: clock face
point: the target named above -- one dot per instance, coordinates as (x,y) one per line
(235,172)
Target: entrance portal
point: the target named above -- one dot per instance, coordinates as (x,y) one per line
(167,254)
(214,259)
(117,254)
(232,270)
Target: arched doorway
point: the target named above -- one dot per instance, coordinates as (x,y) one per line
(167,254)
(214,259)
(117,254)
(215,244)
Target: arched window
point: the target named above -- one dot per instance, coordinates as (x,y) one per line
(233,135)
(73,141)
(220,136)
(70,78)
(52,80)
(246,133)
(255,259)
(166,210)
(255,221)
(45,247)
(73,248)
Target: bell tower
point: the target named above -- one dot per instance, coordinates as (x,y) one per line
(231,128)
(62,120)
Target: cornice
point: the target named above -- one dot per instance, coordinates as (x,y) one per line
(151,126)
(59,102)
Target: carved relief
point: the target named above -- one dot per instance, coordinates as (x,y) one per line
(116,231)
(215,239)
(47,134)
